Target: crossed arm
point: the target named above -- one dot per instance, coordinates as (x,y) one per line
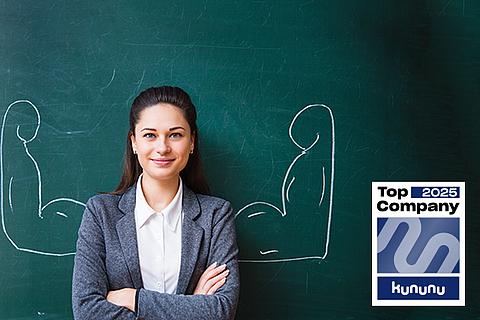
(211,280)
(215,296)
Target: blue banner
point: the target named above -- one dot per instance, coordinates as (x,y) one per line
(418,288)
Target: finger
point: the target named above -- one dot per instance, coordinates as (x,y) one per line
(217,285)
(211,282)
(208,273)
(213,272)
(205,282)
(213,265)
(111,297)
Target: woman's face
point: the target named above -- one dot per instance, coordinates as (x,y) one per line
(162,141)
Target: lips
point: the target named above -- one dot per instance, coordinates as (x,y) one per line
(163,162)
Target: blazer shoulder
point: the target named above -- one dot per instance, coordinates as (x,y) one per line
(214,210)
(104,207)
(212,202)
(104,200)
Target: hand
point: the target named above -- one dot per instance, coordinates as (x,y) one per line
(212,279)
(124,298)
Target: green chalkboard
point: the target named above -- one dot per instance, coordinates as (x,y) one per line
(302,104)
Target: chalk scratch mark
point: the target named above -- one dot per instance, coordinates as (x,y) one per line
(255,214)
(139,84)
(141,80)
(268,252)
(61,214)
(110,82)
(323,186)
(10,194)
(191,46)
(445,7)
(243,145)
(288,189)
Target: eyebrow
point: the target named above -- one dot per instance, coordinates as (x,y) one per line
(171,129)
(175,128)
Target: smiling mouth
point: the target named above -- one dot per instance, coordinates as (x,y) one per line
(162,161)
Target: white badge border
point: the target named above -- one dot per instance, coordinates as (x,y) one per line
(461,216)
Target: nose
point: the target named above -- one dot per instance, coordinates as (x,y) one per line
(162,147)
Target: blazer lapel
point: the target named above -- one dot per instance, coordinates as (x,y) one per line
(192,236)
(127,234)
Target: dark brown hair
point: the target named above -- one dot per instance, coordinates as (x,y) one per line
(192,175)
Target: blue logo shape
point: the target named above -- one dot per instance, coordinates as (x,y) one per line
(418,245)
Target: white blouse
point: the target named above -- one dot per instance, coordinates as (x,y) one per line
(159,236)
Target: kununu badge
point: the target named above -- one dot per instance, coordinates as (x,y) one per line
(418,243)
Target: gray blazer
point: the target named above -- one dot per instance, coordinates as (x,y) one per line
(107,259)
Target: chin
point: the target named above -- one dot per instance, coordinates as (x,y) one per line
(164,177)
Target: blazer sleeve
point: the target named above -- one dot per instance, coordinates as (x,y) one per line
(90,281)
(222,304)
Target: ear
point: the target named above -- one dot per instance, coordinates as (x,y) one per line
(132,141)
(192,141)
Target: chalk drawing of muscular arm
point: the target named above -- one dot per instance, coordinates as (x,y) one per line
(298,227)
(29,223)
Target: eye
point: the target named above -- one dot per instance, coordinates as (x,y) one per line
(149,135)
(176,135)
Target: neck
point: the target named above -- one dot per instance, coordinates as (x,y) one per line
(159,193)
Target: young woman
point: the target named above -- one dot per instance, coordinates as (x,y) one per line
(158,247)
